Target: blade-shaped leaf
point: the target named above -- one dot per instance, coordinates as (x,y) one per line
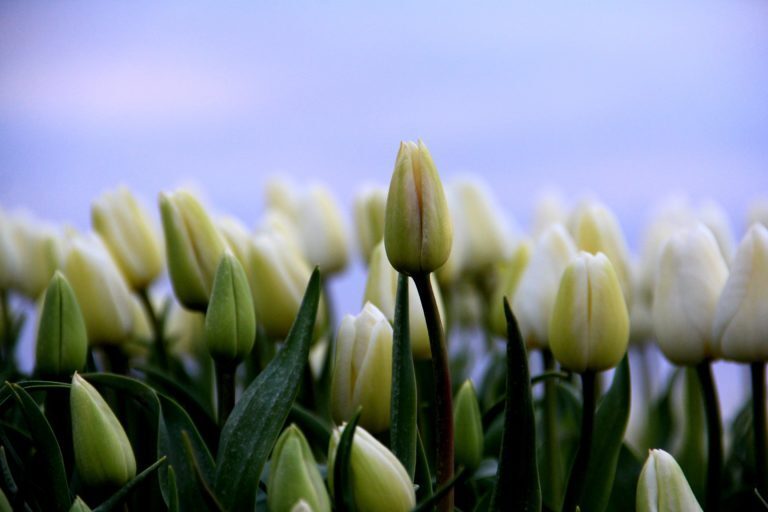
(256,421)
(125,490)
(423,477)
(342,477)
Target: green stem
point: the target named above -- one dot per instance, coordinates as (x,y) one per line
(577,478)
(156,322)
(225,389)
(758,423)
(443,394)
(552,446)
(324,382)
(714,436)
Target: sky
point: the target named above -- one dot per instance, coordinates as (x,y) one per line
(629,102)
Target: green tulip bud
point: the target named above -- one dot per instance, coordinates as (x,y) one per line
(294,476)
(362,371)
(380,483)
(62,342)
(230,323)
(468,427)
(370,206)
(662,486)
(130,236)
(509,273)
(301,506)
(589,328)
(417,230)
(193,247)
(103,453)
(79,506)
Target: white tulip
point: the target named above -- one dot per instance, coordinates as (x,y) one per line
(322,231)
(662,486)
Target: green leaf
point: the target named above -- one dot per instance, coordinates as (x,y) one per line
(173,491)
(610,423)
(625,484)
(517,484)
(402,433)
(256,421)
(315,428)
(125,490)
(430,502)
(342,478)
(692,453)
(423,477)
(48,467)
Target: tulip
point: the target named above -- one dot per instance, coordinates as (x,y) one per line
(640,308)
(662,486)
(370,207)
(589,327)
(294,477)
(9,257)
(185,331)
(548,209)
(101,291)
(380,483)
(468,426)
(280,196)
(62,343)
(362,370)
(79,506)
(712,215)
(535,296)
(237,237)
(193,247)
(129,235)
(301,506)
(691,275)
(417,228)
(322,231)
(381,289)
(103,453)
(757,212)
(34,252)
(741,314)
(509,274)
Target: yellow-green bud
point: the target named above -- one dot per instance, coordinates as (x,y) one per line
(380,483)
(509,274)
(103,453)
(662,486)
(362,370)
(589,328)
(130,236)
(62,342)
(79,506)
(417,232)
(468,427)
(294,476)
(230,323)
(193,247)
(370,205)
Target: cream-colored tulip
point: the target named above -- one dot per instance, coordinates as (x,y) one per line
(662,486)
(589,327)
(741,315)
(640,308)
(280,195)
(362,370)
(535,296)
(692,273)
(9,256)
(185,330)
(130,236)
(548,209)
(370,207)
(39,250)
(757,211)
(322,231)
(508,279)
(714,216)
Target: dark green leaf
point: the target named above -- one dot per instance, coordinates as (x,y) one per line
(317,431)
(173,491)
(624,490)
(256,421)
(430,502)
(125,490)
(342,478)
(423,477)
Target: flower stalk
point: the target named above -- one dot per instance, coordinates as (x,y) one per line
(714,435)
(757,369)
(575,490)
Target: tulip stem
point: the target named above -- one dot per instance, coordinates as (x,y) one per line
(714,435)
(225,389)
(157,329)
(577,478)
(552,446)
(443,394)
(758,423)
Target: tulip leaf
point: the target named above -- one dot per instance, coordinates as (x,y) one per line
(517,482)
(610,423)
(316,429)
(625,483)
(173,491)
(423,477)
(50,475)
(430,502)
(402,433)
(256,420)
(342,481)
(117,498)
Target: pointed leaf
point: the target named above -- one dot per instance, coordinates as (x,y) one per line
(125,490)
(342,477)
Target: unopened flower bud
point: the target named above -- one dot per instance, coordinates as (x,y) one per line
(322,231)
(417,233)
(230,322)
(510,272)
(37,251)
(468,427)
(294,476)
(362,370)
(62,342)
(380,483)
(662,486)
(130,236)
(589,328)
(103,453)
(79,506)
(370,207)
(193,247)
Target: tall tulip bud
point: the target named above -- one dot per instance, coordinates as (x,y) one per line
(468,427)
(381,290)
(380,483)
(691,275)
(38,249)
(362,370)
(509,274)
(101,291)
(417,230)
(322,231)
(589,328)
(293,475)
(230,322)
(193,247)
(741,315)
(662,486)
(129,235)
(535,296)
(103,453)
(62,342)
(370,207)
